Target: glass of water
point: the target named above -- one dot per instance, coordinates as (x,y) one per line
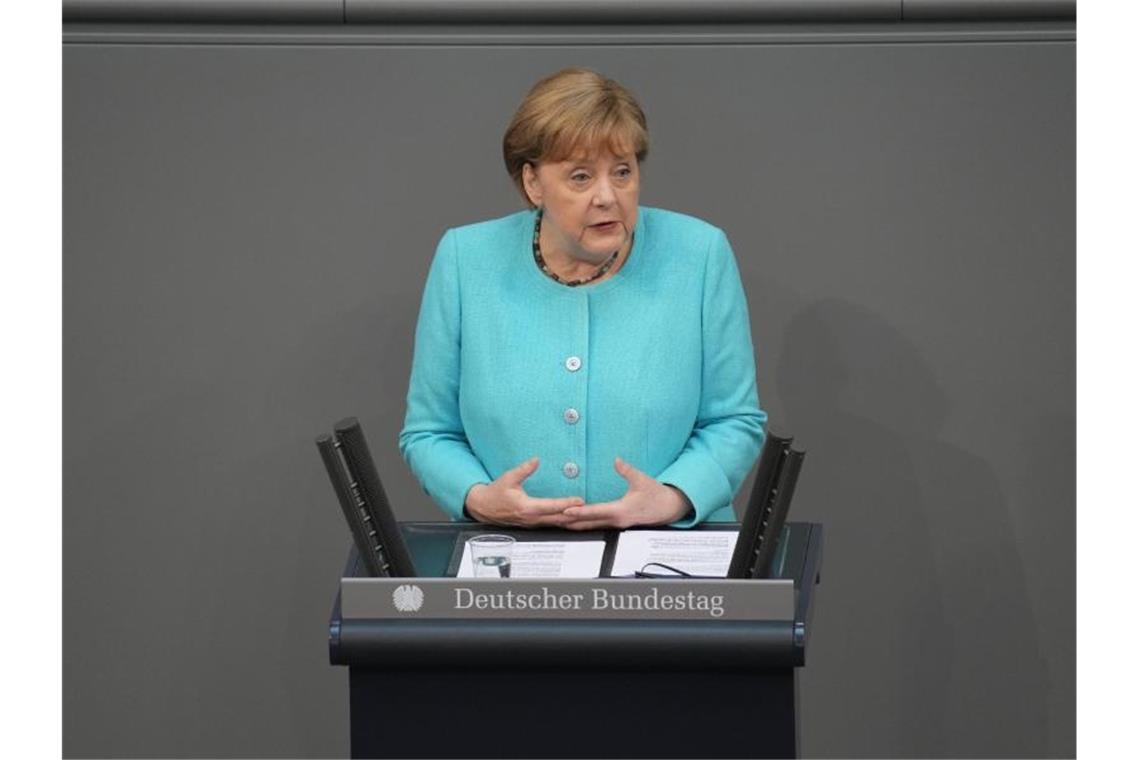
(491,555)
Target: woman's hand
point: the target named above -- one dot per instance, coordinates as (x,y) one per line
(646,502)
(504,502)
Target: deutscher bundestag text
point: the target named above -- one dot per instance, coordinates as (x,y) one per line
(600,599)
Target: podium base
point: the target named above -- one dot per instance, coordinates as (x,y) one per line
(564,714)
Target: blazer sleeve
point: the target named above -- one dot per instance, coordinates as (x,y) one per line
(729,430)
(433,441)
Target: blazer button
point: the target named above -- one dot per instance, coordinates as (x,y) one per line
(573,363)
(570,470)
(571,416)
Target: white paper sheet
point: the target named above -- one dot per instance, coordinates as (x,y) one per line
(547,559)
(698,552)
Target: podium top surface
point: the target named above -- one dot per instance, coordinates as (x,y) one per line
(568,643)
(432,544)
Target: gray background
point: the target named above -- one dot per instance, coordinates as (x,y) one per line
(248,224)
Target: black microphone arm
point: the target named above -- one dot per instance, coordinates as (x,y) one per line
(366,509)
(767,509)
(781,501)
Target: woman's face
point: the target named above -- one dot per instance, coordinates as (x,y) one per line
(589,202)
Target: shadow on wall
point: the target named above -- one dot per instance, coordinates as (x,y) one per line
(925,644)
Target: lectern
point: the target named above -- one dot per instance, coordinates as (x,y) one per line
(575,688)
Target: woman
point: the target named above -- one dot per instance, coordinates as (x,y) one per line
(586,363)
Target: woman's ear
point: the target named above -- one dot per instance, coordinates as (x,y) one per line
(531,184)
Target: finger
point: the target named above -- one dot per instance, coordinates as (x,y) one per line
(631,474)
(553,506)
(557,520)
(589,525)
(516,475)
(603,510)
(548,520)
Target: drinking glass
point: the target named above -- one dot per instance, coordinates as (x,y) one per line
(491,555)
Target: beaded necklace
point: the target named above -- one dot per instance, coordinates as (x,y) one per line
(572,283)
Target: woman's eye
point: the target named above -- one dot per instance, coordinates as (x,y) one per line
(579,177)
(624,172)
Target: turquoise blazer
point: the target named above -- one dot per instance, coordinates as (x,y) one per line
(654,365)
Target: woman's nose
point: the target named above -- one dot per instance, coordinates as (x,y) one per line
(605,193)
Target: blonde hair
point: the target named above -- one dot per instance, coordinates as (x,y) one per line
(568,112)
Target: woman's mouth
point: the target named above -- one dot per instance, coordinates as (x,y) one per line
(604,226)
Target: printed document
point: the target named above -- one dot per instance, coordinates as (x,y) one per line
(697,552)
(547,559)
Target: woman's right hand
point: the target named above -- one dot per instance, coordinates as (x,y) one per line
(504,502)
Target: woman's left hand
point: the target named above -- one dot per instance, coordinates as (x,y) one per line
(646,502)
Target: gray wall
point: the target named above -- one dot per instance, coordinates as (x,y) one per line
(248,224)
